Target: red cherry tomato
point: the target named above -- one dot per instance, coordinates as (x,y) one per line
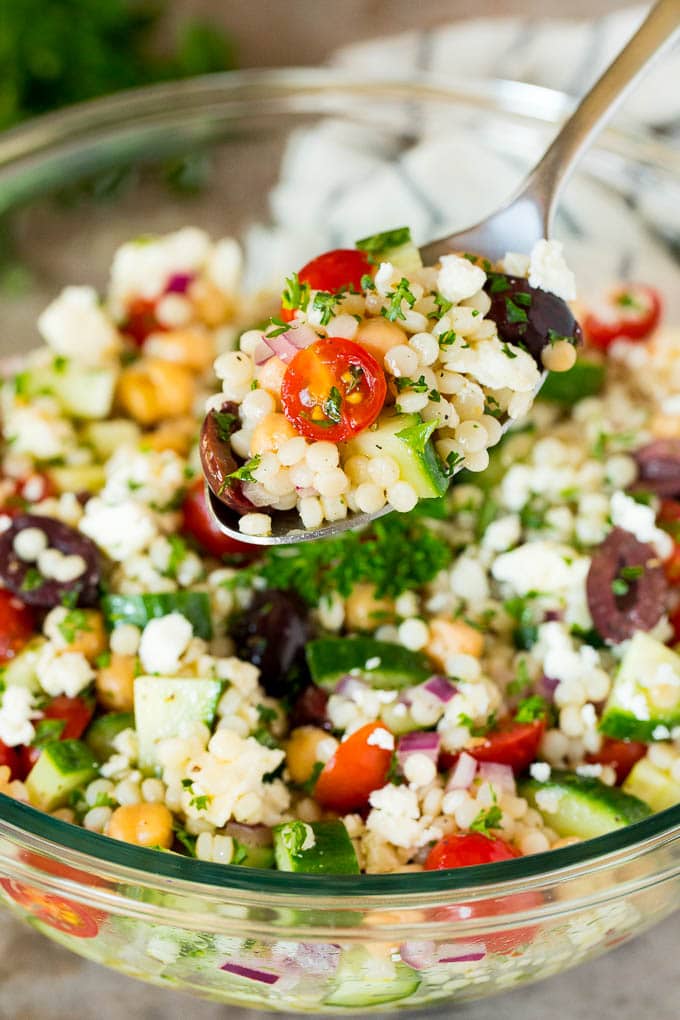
(511,743)
(75,713)
(467,848)
(197,521)
(622,754)
(671,566)
(141,320)
(332,271)
(359,766)
(67,916)
(17,625)
(675,624)
(10,758)
(629,312)
(333,390)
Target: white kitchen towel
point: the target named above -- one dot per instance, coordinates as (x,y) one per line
(343,178)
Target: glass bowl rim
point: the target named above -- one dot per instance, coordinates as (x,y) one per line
(49,835)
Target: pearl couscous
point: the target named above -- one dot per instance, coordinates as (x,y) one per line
(488,674)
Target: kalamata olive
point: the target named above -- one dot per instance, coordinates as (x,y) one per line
(529,316)
(272,634)
(218,460)
(626,587)
(25,580)
(659,467)
(309,709)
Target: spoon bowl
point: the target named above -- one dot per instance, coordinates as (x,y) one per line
(522,221)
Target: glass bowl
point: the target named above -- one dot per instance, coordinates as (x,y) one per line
(294,162)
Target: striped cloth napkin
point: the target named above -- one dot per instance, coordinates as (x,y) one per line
(341,180)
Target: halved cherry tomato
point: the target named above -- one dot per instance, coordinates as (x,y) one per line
(671,566)
(464,849)
(622,754)
(10,758)
(511,743)
(141,320)
(359,766)
(17,625)
(333,390)
(332,271)
(197,521)
(58,912)
(629,312)
(75,713)
(674,619)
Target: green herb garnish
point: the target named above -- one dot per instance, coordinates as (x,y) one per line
(400,295)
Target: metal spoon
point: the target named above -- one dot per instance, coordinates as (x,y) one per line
(516,226)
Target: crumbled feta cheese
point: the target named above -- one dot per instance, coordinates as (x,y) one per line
(549,271)
(225,265)
(502,533)
(540,771)
(490,364)
(120,529)
(152,477)
(540,566)
(63,672)
(163,642)
(548,800)
(640,521)
(373,663)
(589,771)
(396,817)
(16,713)
(125,639)
(381,738)
(38,430)
(76,326)
(384,278)
(143,267)
(661,733)
(458,278)
(515,263)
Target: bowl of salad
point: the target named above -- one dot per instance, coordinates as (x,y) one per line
(410,764)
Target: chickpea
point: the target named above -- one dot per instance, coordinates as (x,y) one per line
(176,435)
(453,637)
(665,426)
(270,375)
(271,433)
(212,305)
(193,348)
(89,635)
(379,336)
(363,611)
(152,389)
(143,824)
(302,751)
(115,683)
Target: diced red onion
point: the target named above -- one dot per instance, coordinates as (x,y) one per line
(553,614)
(418,743)
(500,776)
(464,771)
(441,687)
(311,957)
(262,353)
(251,835)
(265,976)
(416,954)
(461,952)
(287,345)
(179,283)
(547,686)
(301,335)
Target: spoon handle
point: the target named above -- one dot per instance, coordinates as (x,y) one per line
(654,37)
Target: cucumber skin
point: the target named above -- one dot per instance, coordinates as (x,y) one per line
(421,468)
(139,609)
(584,379)
(355,986)
(332,854)
(64,765)
(622,725)
(651,785)
(644,655)
(330,659)
(101,732)
(607,808)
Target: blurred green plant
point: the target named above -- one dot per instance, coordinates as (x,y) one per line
(57,52)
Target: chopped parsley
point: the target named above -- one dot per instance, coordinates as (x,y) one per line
(487,819)
(521,681)
(32,579)
(404,383)
(531,709)
(620,585)
(326,303)
(499,284)
(295,293)
(377,244)
(515,313)
(477,729)
(225,422)
(508,352)
(447,338)
(367,282)
(453,461)
(311,781)
(178,553)
(279,326)
(396,554)
(554,337)
(75,622)
(332,405)
(186,839)
(201,801)
(442,306)
(47,730)
(520,610)
(417,436)
(245,472)
(353,379)
(397,297)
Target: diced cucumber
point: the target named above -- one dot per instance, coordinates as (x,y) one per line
(651,784)
(584,379)
(100,734)
(250,856)
(378,663)
(359,984)
(639,706)
(393,246)
(81,478)
(581,805)
(397,717)
(406,438)
(81,391)
(139,609)
(317,848)
(20,671)
(107,436)
(163,704)
(63,766)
